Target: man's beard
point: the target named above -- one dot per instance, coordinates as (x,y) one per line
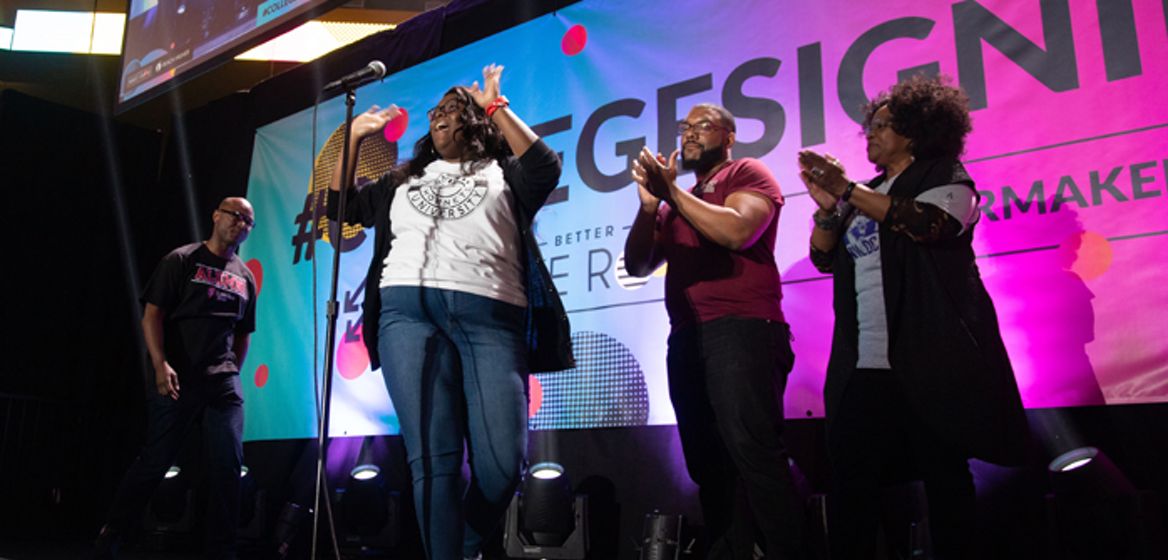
(705,161)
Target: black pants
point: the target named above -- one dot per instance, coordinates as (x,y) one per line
(219,400)
(726,381)
(875,437)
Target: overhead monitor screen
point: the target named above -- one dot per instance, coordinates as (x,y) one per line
(167,41)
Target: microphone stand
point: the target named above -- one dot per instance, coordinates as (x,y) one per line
(331,318)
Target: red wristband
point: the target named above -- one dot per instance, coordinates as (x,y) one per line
(497,104)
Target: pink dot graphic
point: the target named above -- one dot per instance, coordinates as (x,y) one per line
(535,392)
(395,128)
(257,270)
(261,375)
(352,357)
(1093,255)
(574,40)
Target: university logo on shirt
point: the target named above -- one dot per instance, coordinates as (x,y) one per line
(863,239)
(449,196)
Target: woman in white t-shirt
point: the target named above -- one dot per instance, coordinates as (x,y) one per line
(919,379)
(454,293)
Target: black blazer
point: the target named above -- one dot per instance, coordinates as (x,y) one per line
(944,343)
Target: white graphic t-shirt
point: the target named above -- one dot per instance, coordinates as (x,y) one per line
(456,232)
(862,241)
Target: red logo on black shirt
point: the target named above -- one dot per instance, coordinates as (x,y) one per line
(220,279)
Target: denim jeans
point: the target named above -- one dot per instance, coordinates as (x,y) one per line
(726,381)
(455,366)
(218,399)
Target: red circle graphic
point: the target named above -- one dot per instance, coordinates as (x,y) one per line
(352,357)
(535,396)
(395,128)
(574,40)
(257,270)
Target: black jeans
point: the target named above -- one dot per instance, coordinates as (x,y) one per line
(726,381)
(875,438)
(219,400)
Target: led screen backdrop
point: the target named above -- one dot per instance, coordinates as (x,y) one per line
(1069,151)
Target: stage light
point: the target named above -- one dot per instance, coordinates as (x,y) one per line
(1073,459)
(249,504)
(290,525)
(369,513)
(366,468)
(251,536)
(1087,473)
(546,505)
(68,31)
(545,519)
(170,515)
(364,472)
(661,537)
(1094,508)
(312,40)
(547,471)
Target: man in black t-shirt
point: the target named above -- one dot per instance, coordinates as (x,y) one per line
(199,315)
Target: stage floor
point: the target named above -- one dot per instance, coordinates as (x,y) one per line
(79,549)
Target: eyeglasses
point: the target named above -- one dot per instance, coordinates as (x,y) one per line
(700,127)
(876,125)
(452,106)
(239,217)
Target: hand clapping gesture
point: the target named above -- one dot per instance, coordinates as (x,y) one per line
(824,176)
(655,177)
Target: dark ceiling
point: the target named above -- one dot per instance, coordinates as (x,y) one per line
(88,81)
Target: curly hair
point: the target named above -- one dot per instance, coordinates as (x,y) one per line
(930,112)
(481,141)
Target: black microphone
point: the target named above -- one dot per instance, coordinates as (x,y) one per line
(373,71)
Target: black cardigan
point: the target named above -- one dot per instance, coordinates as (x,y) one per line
(944,343)
(531,178)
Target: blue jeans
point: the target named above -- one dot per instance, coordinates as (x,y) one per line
(218,399)
(455,366)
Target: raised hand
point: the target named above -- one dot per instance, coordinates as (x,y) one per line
(373,120)
(490,90)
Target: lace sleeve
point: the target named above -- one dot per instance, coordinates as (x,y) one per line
(920,221)
(822,259)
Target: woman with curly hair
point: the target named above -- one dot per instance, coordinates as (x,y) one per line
(918,380)
(459,307)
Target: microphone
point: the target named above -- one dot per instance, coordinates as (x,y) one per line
(372,72)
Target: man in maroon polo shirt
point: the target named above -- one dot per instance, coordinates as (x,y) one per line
(729,348)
